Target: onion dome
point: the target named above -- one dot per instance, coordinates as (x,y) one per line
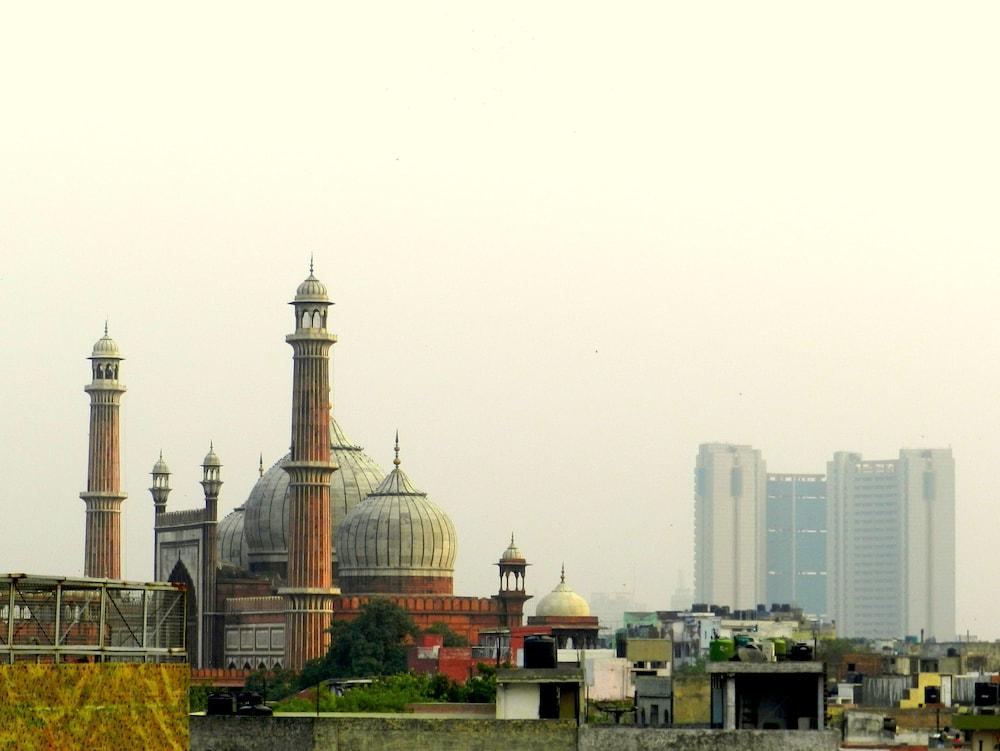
(562,601)
(397,540)
(160,468)
(211,458)
(512,553)
(266,509)
(105,348)
(312,289)
(231,540)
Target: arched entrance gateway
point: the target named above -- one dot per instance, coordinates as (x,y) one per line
(180,575)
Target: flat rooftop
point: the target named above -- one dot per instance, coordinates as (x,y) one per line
(763,668)
(540,675)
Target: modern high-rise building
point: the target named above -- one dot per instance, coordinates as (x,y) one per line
(796,541)
(891,544)
(730,525)
(870,545)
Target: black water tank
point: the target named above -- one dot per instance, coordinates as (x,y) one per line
(255,710)
(539,652)
(252,704)
(221,703)
(800,652)
(986,694)
(248,699)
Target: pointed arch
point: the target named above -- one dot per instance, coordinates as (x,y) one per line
(180,575)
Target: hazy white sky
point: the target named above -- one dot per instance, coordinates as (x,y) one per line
(567,245)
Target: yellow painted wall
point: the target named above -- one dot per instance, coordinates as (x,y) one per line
(94,706)
(692,700)
(648,650)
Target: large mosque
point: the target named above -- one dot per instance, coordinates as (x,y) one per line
(323,531)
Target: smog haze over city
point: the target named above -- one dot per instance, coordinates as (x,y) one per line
(567,244)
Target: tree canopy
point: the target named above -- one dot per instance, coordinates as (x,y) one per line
(451,639)
(372,644)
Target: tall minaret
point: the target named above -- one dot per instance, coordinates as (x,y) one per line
(211,630)
(310,592)
(104,496)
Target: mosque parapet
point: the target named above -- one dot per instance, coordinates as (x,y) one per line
(183,518)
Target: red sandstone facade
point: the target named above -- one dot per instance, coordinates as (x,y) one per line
(309,594)
(103,497)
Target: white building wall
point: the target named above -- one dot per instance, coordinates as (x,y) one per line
(517,701)
(891,544)
(929,542)
(730,525)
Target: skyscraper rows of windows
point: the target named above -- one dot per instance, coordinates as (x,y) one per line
(870,545)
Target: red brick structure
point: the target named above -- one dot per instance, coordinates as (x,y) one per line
(104,496)
(309,593)
(277,579)
(429,655)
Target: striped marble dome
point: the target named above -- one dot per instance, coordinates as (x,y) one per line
(396,533)
(231,540)
(266,510)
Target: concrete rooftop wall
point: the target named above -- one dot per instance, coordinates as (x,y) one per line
(395,732)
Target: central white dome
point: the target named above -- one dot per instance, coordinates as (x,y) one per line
(396,539)
(266,510)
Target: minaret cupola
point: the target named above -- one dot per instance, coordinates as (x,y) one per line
(105,358)
(311,303)
(211,480)
(161,485)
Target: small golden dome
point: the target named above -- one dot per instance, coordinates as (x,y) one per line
(563,601)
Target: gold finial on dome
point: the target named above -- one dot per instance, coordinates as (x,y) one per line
(396,449)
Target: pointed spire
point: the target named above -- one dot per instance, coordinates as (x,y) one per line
(161,455)
(105,325)
(310,264)
(512,539)
(260,465)
(562,575)
(211,446)
(396,460)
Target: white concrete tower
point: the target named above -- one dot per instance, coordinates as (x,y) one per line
(730,526)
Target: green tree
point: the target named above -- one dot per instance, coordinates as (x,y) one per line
(372,644)
(451,639)
(692,668)
(272,684)
(832,651)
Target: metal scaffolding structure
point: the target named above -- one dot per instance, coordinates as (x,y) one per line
(60,619)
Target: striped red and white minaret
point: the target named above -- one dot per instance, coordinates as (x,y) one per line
(104,496)
(310,592)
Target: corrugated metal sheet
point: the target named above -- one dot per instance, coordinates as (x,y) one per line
(885,690)
(963,689)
